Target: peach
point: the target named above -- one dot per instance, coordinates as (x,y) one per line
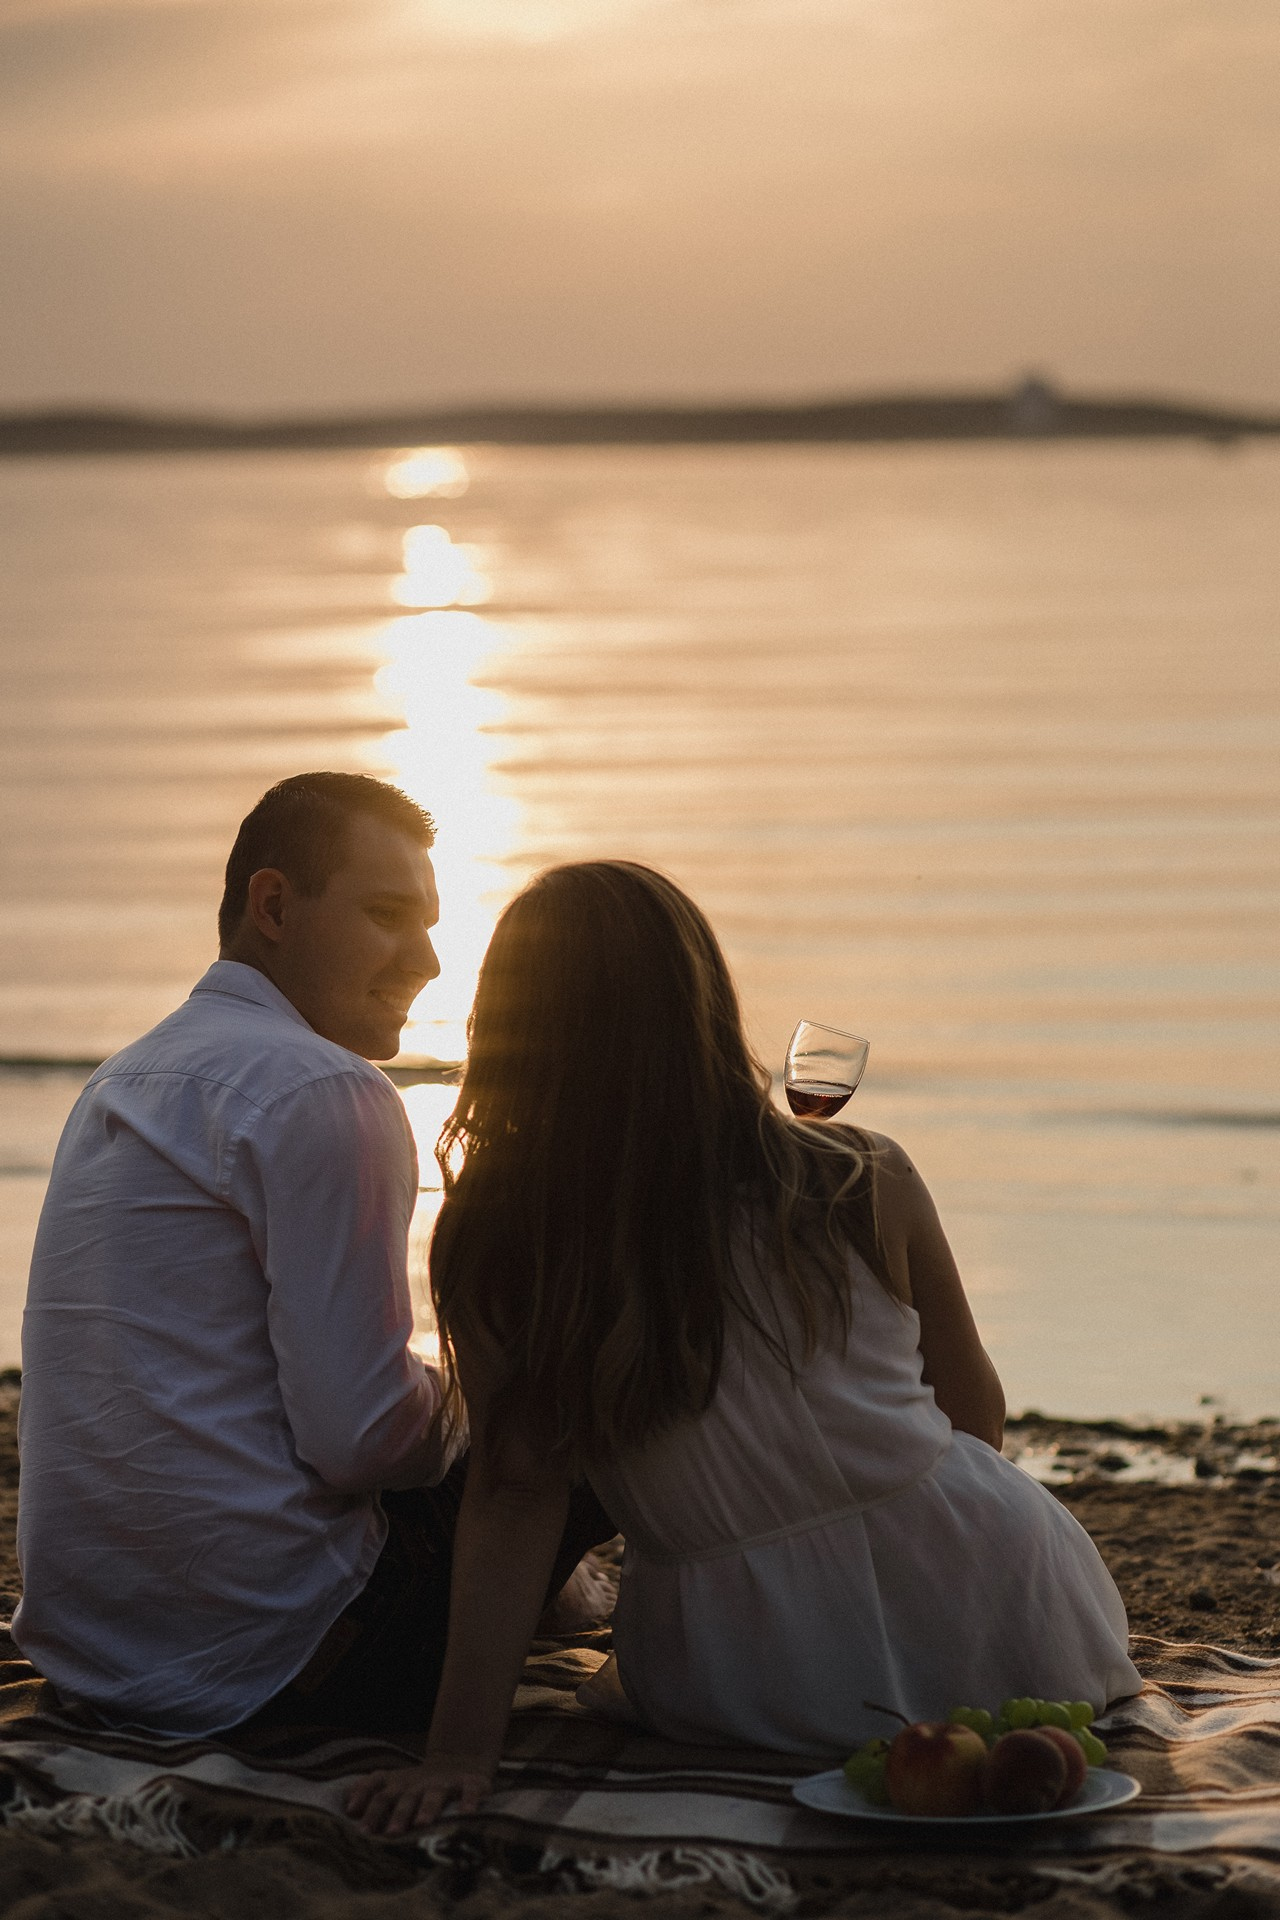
(1025,1772)
(1077,1766)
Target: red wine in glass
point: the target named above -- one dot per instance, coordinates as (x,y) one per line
(816,1099)
(823,1067)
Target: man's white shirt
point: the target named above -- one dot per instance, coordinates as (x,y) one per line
(215,1372)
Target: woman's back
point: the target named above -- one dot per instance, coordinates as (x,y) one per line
(774,1451)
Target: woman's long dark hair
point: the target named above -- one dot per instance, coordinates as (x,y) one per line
(613,1139)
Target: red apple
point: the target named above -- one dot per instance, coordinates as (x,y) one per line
(935,1769)
(1025,1772)
(1077,1766)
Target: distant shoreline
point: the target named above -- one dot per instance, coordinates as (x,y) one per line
(1031,411)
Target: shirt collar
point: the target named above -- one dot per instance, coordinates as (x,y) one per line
(240,982)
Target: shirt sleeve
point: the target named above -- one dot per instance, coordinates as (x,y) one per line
(327,1178)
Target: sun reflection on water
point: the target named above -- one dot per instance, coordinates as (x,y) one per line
(442,757)
(428,1108)
(437,573)
(427,472)
(424,1340)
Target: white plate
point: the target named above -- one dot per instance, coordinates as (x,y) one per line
(831,1793)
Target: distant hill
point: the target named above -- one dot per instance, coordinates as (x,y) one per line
(1034,410)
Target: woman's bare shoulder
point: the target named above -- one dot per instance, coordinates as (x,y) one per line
(904,1206)
(887,1152)
(897,1177)
(897,1186)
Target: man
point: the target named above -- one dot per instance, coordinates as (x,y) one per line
(217,1385)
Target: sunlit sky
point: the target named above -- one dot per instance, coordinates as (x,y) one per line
(252,204)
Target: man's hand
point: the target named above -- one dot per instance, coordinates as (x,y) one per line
(395,1803)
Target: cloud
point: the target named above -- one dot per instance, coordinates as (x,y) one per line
(301,201)
(81,84)
(518,22)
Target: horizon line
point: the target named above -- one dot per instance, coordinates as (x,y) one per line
(1041,386)
(1032,409)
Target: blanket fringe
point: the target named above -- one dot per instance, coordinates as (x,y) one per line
(1155,1876)
(150,1819)
(671,1869)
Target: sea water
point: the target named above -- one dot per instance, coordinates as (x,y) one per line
(972,749)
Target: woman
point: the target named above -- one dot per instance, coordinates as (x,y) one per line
(749,1333)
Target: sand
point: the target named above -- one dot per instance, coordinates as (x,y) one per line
(1194,1562)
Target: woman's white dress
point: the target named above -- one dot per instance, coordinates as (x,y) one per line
(807,1546)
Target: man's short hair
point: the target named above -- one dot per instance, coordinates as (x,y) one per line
(299,827)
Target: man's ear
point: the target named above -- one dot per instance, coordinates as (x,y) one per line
(267,902)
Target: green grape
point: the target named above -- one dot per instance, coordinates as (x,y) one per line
(865,1760)
(972,1717)
(1020,1713)
(977,1719)
(864,1770)
(1094,1751)
(875,1789)
(1054,1714)
(1081,1713)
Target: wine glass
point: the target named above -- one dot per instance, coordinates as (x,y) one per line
(823,1068)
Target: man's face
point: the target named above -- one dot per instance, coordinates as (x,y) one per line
(353,959)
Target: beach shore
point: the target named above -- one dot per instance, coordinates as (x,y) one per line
(1198,1561)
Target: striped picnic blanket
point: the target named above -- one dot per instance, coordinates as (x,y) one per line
(582,1802)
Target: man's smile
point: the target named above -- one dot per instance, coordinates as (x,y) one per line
(395,1004)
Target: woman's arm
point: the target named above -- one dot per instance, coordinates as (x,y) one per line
(510,1522)
(922,1266)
